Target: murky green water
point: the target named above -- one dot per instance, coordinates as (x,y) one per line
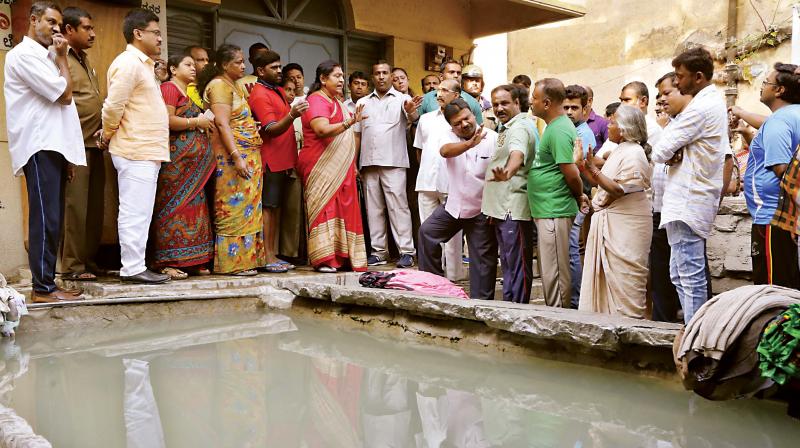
(273,382)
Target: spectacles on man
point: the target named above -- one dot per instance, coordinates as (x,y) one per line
(765,83)
(156,32)
(443,89)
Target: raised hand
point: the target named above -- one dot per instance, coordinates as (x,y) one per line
(60,44)
(577,151)
(477,137)
(412,105)
(359,114)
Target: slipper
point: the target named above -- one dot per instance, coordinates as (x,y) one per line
(80,277)
(288,265)
(175,274)
(247,273)
(274,268)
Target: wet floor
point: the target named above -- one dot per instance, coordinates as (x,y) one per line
(271,381)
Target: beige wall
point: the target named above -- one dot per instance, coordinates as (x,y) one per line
(411,24)
(626,40)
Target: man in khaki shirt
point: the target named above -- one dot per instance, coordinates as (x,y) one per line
(136,132)
(83,193)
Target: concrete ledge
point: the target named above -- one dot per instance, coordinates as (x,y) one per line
(645,345)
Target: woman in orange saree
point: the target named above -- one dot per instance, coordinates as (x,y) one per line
(328,169)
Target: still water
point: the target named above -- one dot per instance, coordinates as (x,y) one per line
(276,381)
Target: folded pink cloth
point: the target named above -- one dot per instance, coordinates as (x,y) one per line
(417,281)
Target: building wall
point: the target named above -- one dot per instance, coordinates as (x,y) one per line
(446,22)
(631,40)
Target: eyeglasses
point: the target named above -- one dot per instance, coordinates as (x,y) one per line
(442,89)
(767,83)
(156,32)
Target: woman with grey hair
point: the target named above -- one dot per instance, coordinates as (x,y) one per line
(616,264)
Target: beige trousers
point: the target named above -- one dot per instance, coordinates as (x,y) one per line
(554,259)
(453,264)
(385,189)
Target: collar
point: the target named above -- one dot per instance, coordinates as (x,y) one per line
(592,116)
(35,47)
(266,84)
(511,122)
(391,91)
(140,54)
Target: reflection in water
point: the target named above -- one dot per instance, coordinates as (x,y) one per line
(268,381)
(142,421)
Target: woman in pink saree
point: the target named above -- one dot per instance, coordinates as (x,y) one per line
(328,169)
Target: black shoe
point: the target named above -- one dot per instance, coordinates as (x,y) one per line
(146,276)
(406,261)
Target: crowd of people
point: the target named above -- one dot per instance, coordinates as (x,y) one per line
(233,173)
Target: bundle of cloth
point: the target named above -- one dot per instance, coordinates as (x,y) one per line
(740,344)
(12,308)
(411,280)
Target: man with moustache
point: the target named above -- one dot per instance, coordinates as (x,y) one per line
(467,150)
(279,148)
(44,133)
(505,196)
(83,192)
(472,83)
(384,161)
(136,133)
(432,182)
(450,69)
(429,83)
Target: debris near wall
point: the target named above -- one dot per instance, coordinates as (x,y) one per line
(12,308)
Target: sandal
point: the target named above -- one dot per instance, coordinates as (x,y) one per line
(80,277)
(175,274)
(246,273)
(274,268)
(288,265)
(326,269)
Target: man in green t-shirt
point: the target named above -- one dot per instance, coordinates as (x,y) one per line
(555,190)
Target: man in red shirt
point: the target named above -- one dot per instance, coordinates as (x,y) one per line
(279,150)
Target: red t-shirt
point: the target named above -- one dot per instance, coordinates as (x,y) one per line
(279,153)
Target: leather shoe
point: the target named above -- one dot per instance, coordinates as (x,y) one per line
(54,297)
(146,276)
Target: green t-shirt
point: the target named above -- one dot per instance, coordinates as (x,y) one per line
(548,192)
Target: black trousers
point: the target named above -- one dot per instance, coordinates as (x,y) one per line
(44,177)
(440,227)
(665,297)
(774,254)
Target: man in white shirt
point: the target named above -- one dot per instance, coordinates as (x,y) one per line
(44,132)
(384,162)
(694,145)
(432,179)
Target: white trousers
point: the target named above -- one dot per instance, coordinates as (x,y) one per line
(137,181)
(453,249)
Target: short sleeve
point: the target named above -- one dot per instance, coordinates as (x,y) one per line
(519,140)
(218,92)
(562,142)
(171,94)
(318,107)
(419,137)
(39,76)
(261,106)
(777,141)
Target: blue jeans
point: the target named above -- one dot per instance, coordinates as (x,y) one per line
(575,266)
(687,267)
